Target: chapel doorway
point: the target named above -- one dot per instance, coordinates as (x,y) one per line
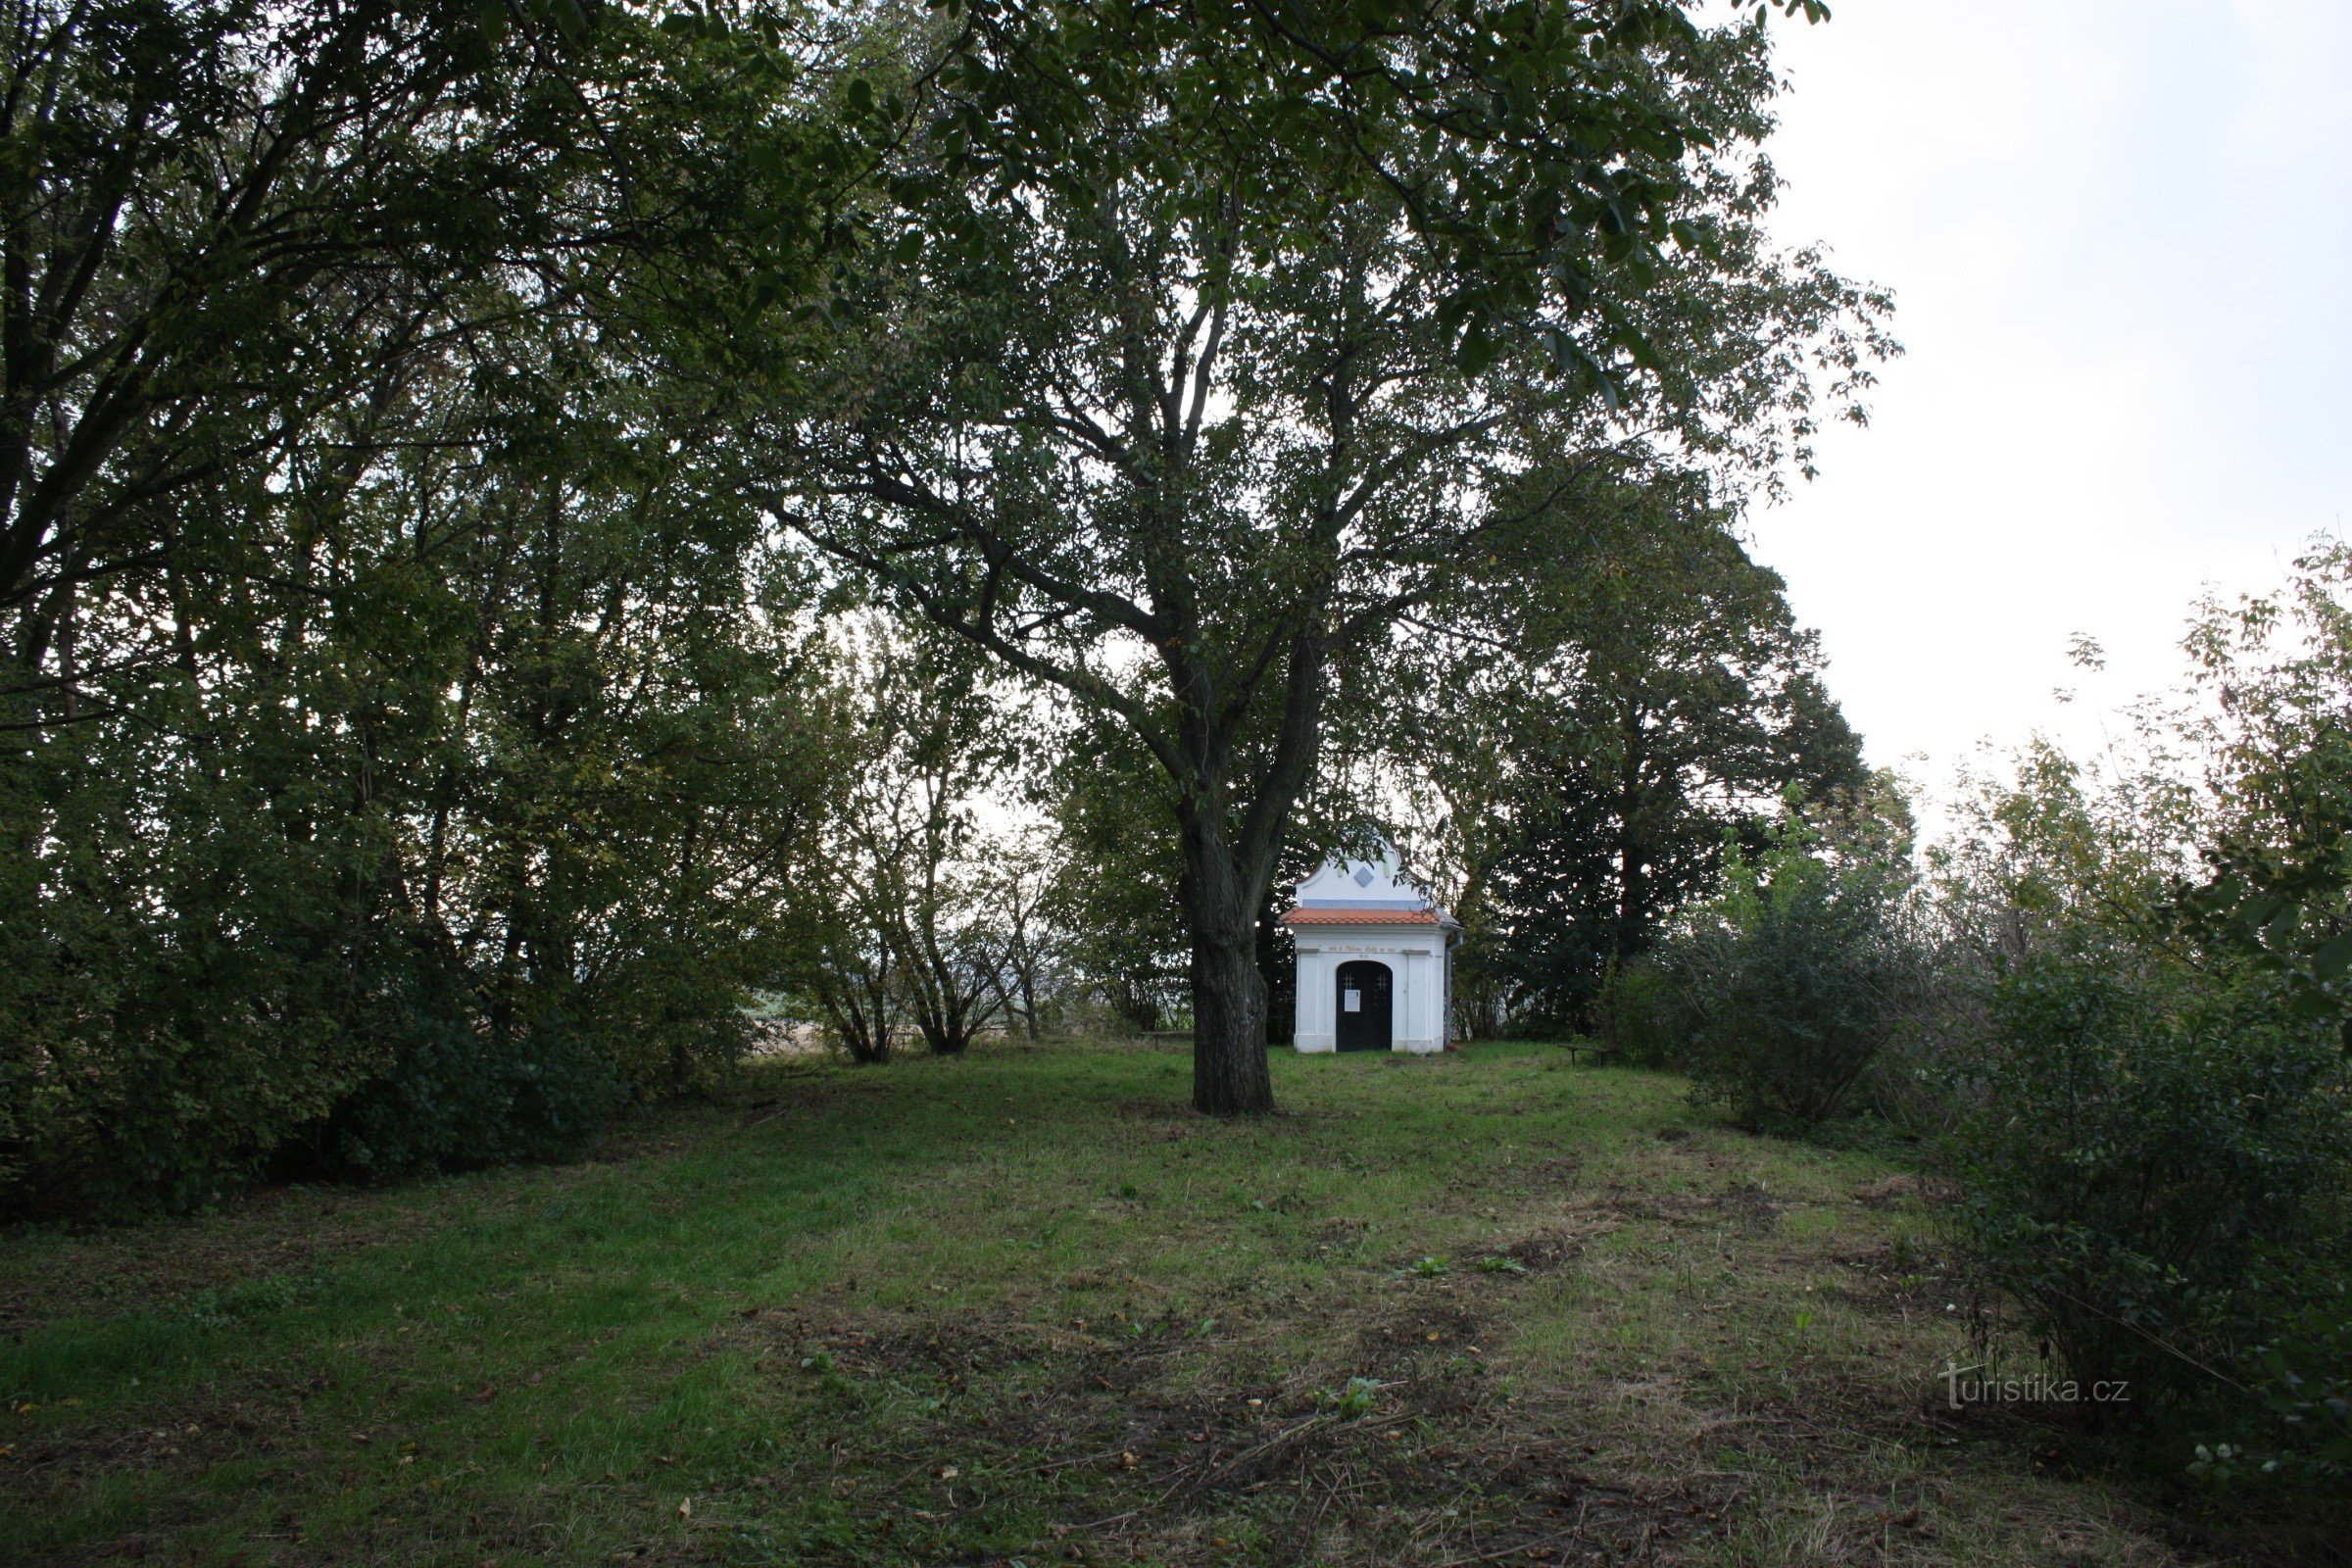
(1363,1006)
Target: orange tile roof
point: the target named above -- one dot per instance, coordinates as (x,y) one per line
(1360,918)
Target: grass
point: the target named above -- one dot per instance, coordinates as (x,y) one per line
(1023,1307)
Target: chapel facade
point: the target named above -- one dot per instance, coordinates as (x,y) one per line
(1375,961)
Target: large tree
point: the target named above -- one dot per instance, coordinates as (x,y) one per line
(1191,337)
(1591,727)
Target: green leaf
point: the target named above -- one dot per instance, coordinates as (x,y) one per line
(2313,1005)
(2333,958)
(1478,350)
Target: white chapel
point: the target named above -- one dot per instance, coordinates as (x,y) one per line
(1375,961)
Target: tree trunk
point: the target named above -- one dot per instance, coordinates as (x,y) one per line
(1229,996)
(1227,872)
(1229,1025)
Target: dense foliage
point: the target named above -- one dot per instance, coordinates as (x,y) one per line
(1786,985)
(2154,1145)
(1593,725)
(470,479)
(403,755)
(2151,1163)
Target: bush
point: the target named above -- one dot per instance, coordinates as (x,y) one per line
(454,1091)
(257,1024)
(1644,1016)
(219,960)
(1793,980)
(2304,1382)
(2154,1130)
(2152,1165)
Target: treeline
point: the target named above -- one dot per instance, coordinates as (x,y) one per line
(528,530)
(2117,1000)
(407,744)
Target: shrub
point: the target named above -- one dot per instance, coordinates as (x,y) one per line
(2304,1383)
(1793,980)
(453,1090)
(2153,1142)
(1643,1014)
(2153,1164)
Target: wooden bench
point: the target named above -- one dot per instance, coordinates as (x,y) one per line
(1579,1050)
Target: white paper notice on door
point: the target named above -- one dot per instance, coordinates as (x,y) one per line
(1352,1001)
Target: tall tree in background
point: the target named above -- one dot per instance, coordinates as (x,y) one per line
(1600,723)
(941,743)
(1193,336)
(1031,945)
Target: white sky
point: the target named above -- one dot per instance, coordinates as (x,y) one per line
(2120,236)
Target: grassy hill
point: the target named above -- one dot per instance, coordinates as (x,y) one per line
(1489,1307)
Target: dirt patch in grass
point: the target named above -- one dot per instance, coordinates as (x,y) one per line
(1161,1109)
(1359,1425)
(1741,1206)
(1556,1249)
(1363,1425)
(1750,1208)
(1899,1191)
(1908,1280)
(281,1235)
(1555,1172)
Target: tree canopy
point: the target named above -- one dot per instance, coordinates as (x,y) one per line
(1589,728)
(1192,345)
(445,447)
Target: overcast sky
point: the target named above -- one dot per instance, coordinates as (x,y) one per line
(2120,236)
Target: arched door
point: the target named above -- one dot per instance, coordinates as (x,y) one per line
(1363,1006)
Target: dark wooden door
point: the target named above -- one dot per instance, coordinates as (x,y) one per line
(1363,1006)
